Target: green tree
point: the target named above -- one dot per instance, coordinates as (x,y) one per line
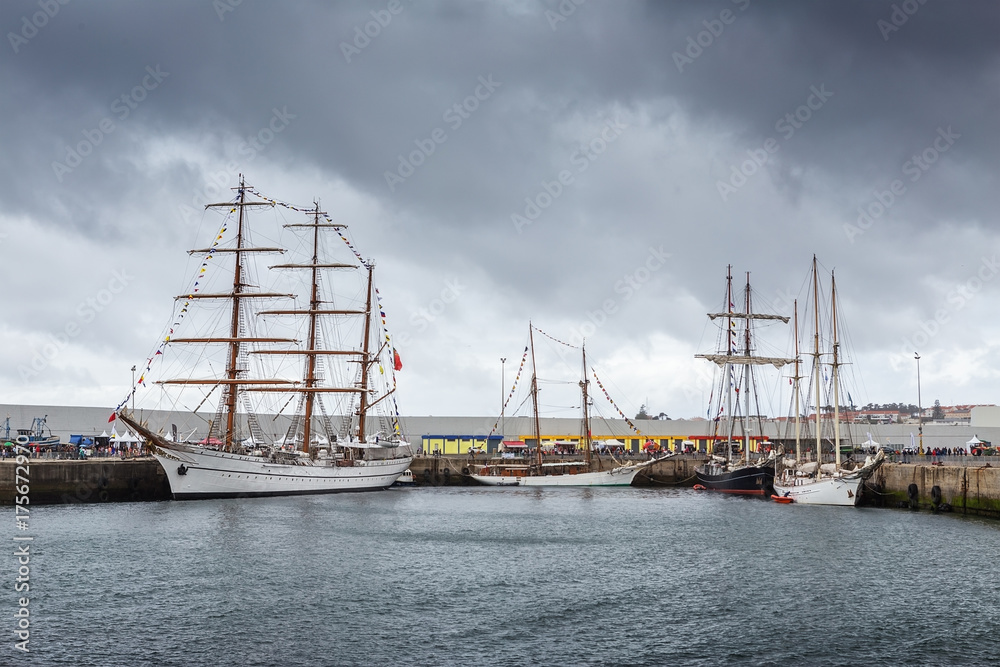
(642,412)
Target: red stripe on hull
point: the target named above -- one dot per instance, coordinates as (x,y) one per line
(737,492)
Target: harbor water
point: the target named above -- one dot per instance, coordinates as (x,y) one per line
(482,576)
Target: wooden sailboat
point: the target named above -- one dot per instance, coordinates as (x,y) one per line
(575,472)
(313,455)
(815,482)
(737,471)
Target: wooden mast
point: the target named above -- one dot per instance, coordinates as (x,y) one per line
(835,371)
(315,310)
(534,398)
(311,359)
(366,356)
(746,377)
(234,341)
(798,423)
(816,371)
(234,331)
(728,379)
(586,409)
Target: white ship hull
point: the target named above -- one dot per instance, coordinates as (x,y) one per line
(827,491)
(621,476)
(195,472)
(841,490)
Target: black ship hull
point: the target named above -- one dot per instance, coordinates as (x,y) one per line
(748,480)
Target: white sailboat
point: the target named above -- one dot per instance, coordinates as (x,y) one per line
(816,482)
(314,455)
(560,473)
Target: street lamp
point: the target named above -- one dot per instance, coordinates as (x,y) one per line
(133,389)
(920,408)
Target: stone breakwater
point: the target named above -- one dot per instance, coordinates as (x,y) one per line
(971,490)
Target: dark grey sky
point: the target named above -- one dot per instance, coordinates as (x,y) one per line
(648,111)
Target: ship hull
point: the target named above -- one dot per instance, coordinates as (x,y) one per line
(620,476)
(197,473)
(839,491)
(750,480)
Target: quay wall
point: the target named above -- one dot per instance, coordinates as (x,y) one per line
(965,489)
(451,470)
(54,481)
(973,490)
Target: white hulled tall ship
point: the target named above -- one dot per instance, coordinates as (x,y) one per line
(575,471)
(819,482)
(303,395)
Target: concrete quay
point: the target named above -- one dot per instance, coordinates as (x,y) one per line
(61,481)
(970,489)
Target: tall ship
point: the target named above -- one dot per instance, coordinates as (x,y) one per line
(819,482)
(742,461)
(290,390)
(576,471)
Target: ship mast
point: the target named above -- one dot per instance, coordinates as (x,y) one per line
(534,397)
(836,368)
(816,371)
(798,423)
(729,359)
(232,372)
(586,409)
(746,376)
(366,359)
(728,378)
(311,342)
(316,309)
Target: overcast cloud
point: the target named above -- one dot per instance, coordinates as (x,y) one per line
(595,168)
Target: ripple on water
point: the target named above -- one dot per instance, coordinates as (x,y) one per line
(509,577)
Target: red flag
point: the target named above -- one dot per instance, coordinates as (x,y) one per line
(396,362)
(112,417)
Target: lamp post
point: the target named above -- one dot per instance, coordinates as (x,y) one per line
(133,389)
(920,408)
(503,388)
